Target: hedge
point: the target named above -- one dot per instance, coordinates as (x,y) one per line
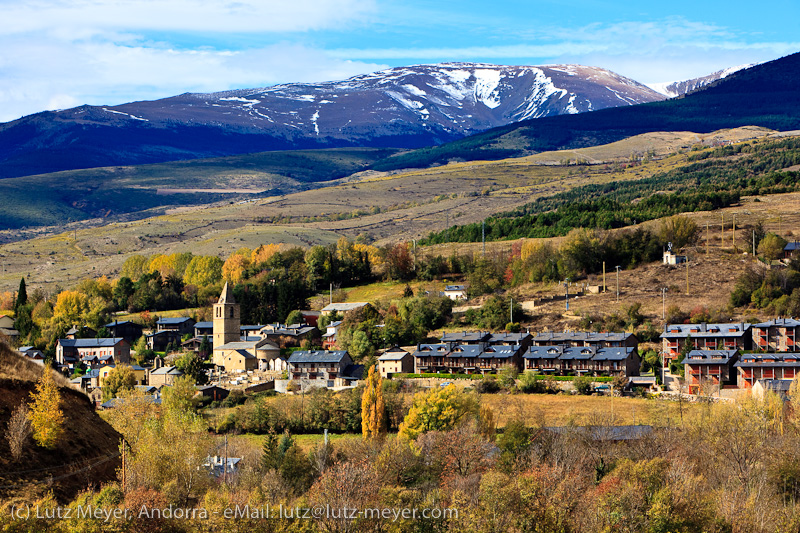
(599,379)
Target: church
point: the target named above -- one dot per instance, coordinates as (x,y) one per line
(231,353)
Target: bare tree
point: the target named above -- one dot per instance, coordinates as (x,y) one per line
(19,431)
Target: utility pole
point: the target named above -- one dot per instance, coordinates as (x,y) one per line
(687,276)
(733,241)
(124,446)
(723,229)
(708,237)
(566,288)
(617,267)
(754,243)
(331,295)
(512,311)
(225,463)
(483,236)
(604,276)
(663,303)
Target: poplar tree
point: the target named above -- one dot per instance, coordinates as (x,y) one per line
(373,423)
(47,418)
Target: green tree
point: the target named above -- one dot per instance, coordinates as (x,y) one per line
(582,384)
(373,409)
(22,295)
(438,410)
(191,364)
(295,317)
(680,230)
(120,378)
(771,246)
(122,291)
(46,415)
(179,397)
(203,270)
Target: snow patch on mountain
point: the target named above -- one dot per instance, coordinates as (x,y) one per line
(486,87)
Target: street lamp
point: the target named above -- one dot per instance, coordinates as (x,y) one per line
(617,267)
(566,288)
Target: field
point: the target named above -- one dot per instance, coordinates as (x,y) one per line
(384,207)
(565,409)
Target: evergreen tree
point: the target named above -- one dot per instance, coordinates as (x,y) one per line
(22,295)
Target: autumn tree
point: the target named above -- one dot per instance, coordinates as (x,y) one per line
(234,267)
(771,246)
(373,423)
(178,397)
(680,230)
(263,253)
(70,307)
(440,410)
(134,267)
(399,263)
(47,418)
(203,270)
(119,378)
(18,431)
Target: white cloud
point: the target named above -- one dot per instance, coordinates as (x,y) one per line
(89,16)
(652,51)
(62,53)
(47,77)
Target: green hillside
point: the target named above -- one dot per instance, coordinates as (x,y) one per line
(61,197)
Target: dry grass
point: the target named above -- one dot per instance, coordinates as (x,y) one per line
(16,366)
(564,409)
(413,203)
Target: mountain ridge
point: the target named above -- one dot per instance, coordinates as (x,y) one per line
(765,95)
(404,107)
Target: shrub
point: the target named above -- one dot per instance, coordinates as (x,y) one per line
(582,384)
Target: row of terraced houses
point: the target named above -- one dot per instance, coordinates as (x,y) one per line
(575,352)
(740,354)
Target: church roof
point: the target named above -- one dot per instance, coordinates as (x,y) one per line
(227,295)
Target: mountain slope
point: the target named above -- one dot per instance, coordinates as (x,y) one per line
(767,95)
(407,107)
(679,88)
(87,454)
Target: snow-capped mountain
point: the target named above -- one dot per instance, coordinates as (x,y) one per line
(406,107)
(451,99)
(678,88)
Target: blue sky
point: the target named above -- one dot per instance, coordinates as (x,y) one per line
(61,53)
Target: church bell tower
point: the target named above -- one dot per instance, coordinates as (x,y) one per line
(227,322)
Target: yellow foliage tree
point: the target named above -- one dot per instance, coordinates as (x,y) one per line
(7,301)
(47,418)
(70,307)
(234,267)
(373,253)
(163,264)
(373,420)
(264,252)
(134,267)
(203,270)
(120,378)
(438,410)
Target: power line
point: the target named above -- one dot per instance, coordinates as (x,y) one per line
(82,461)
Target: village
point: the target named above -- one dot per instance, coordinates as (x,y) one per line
(719,360)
